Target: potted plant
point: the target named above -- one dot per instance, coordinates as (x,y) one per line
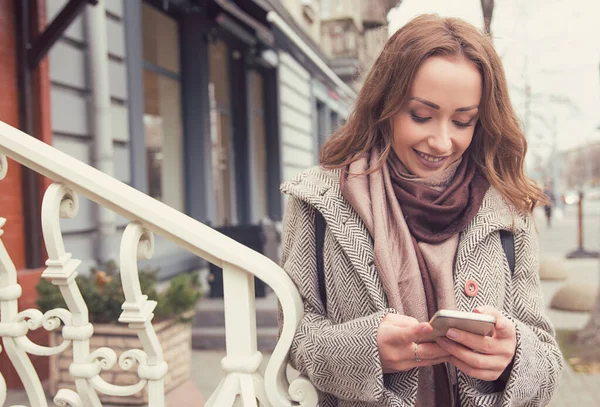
(103,294)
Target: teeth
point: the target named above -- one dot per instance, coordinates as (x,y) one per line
(430,158)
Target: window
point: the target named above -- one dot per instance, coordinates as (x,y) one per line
(162,107)
(221,133)
(321,123)
(335,121)
(258,142)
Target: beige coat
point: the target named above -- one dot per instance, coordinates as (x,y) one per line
(338,350)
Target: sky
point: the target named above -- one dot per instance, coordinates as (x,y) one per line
(552,45)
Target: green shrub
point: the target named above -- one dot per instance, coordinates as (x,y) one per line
(103,294)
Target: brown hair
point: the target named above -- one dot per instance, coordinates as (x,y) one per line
(498,145)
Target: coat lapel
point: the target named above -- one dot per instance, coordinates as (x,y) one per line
(494,215)
(321,190)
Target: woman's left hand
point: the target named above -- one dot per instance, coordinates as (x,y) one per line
(482,357)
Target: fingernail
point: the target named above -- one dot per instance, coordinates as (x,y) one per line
(452,334)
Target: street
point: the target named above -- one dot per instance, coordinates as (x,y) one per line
(575,389)
(561,238)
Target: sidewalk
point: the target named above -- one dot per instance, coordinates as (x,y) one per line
(575,389)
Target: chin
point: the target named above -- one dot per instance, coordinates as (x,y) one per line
(423,172)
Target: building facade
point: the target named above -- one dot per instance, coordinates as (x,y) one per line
(580,167)
(205,105)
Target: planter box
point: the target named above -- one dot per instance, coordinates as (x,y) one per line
(175,338)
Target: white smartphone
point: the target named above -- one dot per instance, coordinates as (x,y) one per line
(479,324)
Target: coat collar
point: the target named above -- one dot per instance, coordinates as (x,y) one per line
(320,188)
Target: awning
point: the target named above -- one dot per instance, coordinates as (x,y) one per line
(261,31)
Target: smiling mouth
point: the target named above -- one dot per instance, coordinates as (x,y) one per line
(431,158)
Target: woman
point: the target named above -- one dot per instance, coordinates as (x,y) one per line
(415,190)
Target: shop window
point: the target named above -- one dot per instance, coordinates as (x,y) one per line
(321,123)
(258,147)
(335,121)
(221,133)
(162,107)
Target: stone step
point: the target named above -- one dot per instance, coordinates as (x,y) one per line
(213,338)
(216,319)
(210,312)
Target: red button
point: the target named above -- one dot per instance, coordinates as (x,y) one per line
(471,288)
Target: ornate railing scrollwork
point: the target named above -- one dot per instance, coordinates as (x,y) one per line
(65,397)
(3,166)
(51,321)
(148,216)
(138,243)
(105,359)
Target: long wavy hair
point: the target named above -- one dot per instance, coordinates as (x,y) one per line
(498,145)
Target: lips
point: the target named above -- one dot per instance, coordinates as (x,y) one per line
(430,161)
(431,158)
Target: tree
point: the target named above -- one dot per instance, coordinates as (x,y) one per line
(487,6)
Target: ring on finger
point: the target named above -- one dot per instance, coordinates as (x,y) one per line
(416,350)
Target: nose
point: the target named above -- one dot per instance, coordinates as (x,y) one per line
(440,143)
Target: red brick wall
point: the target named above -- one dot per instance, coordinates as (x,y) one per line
(11,196)
(43,129)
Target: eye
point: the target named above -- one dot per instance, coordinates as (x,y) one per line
(419,119)
(461,124)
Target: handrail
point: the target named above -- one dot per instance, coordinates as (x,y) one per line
(132,204)
(147,214)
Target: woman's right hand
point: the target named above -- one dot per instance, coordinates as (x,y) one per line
(396,338)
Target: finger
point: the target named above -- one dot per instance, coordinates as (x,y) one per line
(489,310)
(480,343)
(482,374)
(413,333)
(429,351)
(504,327)
(473,359)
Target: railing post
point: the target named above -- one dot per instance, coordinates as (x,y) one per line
(240,316)
(243,358)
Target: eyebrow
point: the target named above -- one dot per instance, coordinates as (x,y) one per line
(437,107)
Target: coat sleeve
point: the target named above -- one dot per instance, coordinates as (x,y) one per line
(339,359)
(538,361)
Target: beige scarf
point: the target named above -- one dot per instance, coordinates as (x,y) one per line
(373,198)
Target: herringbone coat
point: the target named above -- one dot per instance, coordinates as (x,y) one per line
(337,349)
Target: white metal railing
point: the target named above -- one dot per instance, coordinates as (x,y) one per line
(147,216)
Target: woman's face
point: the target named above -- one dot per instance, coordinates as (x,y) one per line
(436,125)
